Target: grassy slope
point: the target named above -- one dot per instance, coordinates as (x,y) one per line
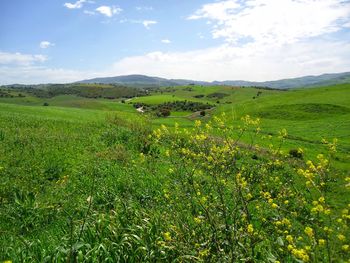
(328,116)
(306,130)
(71,137)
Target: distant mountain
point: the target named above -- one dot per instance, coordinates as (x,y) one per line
(147,81)
(133,80)
(307,81)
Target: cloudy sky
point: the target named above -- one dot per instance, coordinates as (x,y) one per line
(67,40)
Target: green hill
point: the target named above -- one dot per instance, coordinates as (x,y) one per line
(88,178)
(147,81)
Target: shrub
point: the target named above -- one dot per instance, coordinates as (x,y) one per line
(296,153)
(164,112)
(226,206)
(46,104)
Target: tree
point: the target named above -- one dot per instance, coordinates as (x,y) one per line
(164,112)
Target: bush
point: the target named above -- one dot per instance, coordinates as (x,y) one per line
(46,104)
(202,113)
(224,205)
(164,112)
(296,153)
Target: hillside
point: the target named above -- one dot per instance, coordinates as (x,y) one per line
(91,179)
(307,81)
(107,91)
(133,80)
(146,81)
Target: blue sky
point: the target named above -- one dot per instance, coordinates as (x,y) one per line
(67,40)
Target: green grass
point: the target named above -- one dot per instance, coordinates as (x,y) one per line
(157,99)
(309,115)
(147,203)
(72,101)
(180,113)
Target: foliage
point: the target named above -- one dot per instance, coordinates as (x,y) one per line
(82,90)
(163,112)
(119,192)
(164,109)
(217,95)
(86,180)
(297,153)
(234,207)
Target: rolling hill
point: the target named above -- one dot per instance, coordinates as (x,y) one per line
(148,81)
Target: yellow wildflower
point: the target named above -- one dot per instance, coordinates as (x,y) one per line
(197,220)
(197,123)
(301,254)
(289,238)
(204,253)
(309,231)
(341,237)
(250,229)
(167,236)
(321,242)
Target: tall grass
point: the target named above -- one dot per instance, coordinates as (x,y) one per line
(116,191)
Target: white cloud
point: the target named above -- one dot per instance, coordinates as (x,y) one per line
(76,5)
(37,75)
(166,41)
(20,59)
(216,10)
(109,11)
(270,21)
(148,23)
(46,44)
(265,40)
(251,62)
(144,8)
(225,62)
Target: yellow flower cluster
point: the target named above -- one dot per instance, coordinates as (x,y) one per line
(250,229)
(282,134)
(319,208)
(241,181)
(299,253)
(167,236)
(332,146)
(216,174)
(309,231)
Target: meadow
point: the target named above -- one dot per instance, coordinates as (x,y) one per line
(263,176)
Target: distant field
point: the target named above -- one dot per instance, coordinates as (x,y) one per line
(159,99)
(309,115)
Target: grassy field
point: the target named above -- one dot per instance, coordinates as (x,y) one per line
(91,180)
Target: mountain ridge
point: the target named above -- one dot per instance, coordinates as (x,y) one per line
(139,80)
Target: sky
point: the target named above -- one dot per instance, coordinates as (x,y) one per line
(60,41)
